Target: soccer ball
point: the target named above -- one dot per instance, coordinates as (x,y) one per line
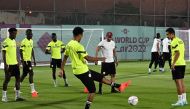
(133,100)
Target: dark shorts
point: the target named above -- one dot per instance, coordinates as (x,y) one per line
(55,63)
(88,79)
(13,70)
(27,67)
(166,56)
(154,56)
(179,72)
(108,68)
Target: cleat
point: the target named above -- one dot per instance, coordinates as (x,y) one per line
(19,99)
(4,99)
(34,94)
(86,90)
(66,85)
(149,71)
(124,85)
(115,91)
(178,103)
(161,70)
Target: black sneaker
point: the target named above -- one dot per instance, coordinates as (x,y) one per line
(66,85)
(19,99)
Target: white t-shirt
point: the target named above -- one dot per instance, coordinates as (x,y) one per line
(154,46)
(107,50)
(166,42)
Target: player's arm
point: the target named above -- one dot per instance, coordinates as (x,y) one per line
(176,56)
(62,50)
(62,47)
(48,48)
(47,51)
(4,60)
(33,55)
(4,51)
(175,48)
(64,62)
(97,50)
(96,55)
(94,59)
(21,51)
(62,71)
(158,47)
(21,55)
(115,57)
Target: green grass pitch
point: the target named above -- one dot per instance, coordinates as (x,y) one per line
(155,91)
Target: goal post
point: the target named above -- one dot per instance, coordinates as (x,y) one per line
(42,36)
(183,34)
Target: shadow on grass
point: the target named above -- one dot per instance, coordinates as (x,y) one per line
(176,107)
(135,107)
(50,104)
(133,76)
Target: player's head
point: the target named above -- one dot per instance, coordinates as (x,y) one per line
(29,34)
(158,35)
(12,33)
(109,36)
(170,32)
(54,37)
(78,33)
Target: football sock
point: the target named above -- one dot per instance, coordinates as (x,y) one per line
(17,93)
(87,106)
(32,87)
(184,97)
(4,93)
(180,98)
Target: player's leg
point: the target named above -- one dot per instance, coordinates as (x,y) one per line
(100,78)
(58,62)
(88,81)
(112,73)
(151,62)
(24,71)
(31,77)
(179,92)
(53,66)
(184,95)
(16,72)
(164,59)
(178,76)
(113,90)
(160,62)
(183,86)
(156,58)
(5,84)
(103,71)
(169,60)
